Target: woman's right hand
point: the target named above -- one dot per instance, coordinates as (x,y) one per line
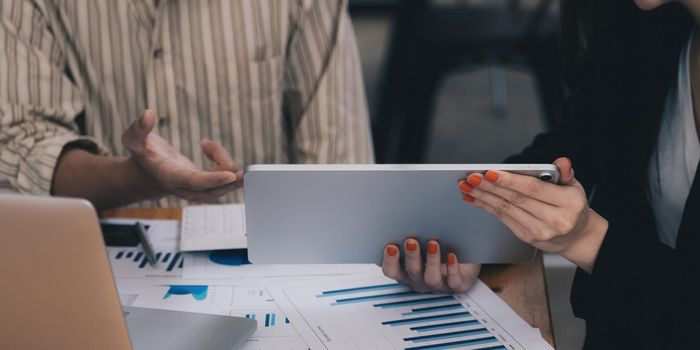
(431,276)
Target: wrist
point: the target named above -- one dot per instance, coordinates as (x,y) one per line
(583,251)
(137,180)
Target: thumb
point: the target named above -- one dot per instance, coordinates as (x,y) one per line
(134,136)
(566,171)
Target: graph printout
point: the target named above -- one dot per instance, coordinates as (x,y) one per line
(131,262)
(274,330)
(234,264)
(380,314)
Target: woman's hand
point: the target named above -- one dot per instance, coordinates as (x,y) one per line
(433,276)
(554,218)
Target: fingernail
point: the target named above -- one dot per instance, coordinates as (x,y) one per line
(491,176)
(412,246)
(474,180)
(450,259)
(392,251)
(465,187)
(142,120)
(432,248)
(468,198)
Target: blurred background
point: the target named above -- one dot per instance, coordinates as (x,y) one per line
(465,81)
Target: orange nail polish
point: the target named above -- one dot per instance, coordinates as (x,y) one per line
(432,248)
(412,246)
(465,187)
(392,251)
(474,180)
(468,198)
(450,259)
(491,176)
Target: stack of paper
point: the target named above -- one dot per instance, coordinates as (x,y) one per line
(314,306)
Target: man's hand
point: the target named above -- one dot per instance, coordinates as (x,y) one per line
(172,173)
(431,276)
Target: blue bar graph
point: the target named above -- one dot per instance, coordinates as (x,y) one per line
(171,259)
(360,289)
(457,334)
(415,302)
(374,297)
(270,319)
(457,344)
(421,314)
(427,318)
(441,326)
(173,262)
(422,310)
(143,263)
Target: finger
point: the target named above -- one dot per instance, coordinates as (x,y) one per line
(523,233)
(470,273)
(504,208)
(566,171)
(527,185)
(200,180)
(414,264)
(391,264)
(219,155)
(239,179)
(454,278)
(536,208)
(433,273)
(221,191)
(134,136)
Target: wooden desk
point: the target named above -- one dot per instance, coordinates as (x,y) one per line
(521,286)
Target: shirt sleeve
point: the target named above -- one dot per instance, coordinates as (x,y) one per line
(38,101)
(325,103)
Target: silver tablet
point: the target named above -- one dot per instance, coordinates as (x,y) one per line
(348,213)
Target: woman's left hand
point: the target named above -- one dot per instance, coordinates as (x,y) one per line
(554,218)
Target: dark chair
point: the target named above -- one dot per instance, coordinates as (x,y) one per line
(431,41)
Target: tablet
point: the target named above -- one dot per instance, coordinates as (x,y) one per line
(297,214)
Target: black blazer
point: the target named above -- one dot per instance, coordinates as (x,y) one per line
(641,293)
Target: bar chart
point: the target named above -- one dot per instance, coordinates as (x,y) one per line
(371,315)
(252,302)
(270,319)
(132,262)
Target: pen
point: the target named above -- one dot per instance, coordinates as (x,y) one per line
(146,243)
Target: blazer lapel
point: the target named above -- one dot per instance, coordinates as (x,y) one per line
(688,241)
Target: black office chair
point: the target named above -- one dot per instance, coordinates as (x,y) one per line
(430,41)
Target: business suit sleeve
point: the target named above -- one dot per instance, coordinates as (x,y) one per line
(325,101)
(638,284)
(38,102)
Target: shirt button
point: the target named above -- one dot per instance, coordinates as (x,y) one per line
(158,52)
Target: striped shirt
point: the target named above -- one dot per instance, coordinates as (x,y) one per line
(273,81)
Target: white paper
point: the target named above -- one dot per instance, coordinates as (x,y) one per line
(388,316)
(206,265)
(274,329)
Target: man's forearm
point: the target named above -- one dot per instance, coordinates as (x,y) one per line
(107,182)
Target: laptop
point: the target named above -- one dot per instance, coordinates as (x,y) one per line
(58,291)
